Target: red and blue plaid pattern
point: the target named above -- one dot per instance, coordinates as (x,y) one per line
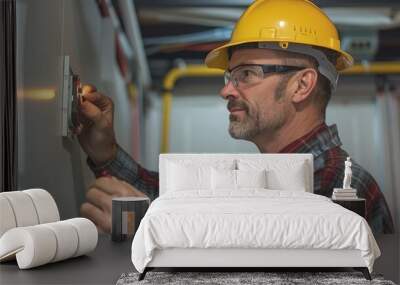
(324,143)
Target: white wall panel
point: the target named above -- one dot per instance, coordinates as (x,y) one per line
(200,124)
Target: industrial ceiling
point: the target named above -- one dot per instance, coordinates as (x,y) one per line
(370,29)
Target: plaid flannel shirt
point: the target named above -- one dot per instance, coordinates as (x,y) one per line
(323,142)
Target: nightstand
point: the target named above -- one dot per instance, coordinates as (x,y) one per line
(356,205)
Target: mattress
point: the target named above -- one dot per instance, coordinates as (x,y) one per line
(251,219)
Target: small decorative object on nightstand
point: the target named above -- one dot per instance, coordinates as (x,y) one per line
(347,196)
(345,193)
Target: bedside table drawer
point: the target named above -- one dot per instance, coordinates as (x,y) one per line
(357,206)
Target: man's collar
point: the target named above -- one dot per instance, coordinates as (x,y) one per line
(317,141)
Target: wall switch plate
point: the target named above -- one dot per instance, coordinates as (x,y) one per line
(71,99)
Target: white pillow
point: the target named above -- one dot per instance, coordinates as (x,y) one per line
(251,178)
(226,179)
(292,179)
(281,174)
(186,177)
(193,174)
(223,179)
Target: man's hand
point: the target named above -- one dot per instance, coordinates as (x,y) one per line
(98,207)
(96,131)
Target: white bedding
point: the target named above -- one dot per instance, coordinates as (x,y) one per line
(250,218)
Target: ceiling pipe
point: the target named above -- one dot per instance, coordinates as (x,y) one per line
(213,35)
(133,33)
(246,3)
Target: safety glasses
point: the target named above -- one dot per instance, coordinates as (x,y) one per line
(250,74)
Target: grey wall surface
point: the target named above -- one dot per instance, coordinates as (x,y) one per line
(48,30)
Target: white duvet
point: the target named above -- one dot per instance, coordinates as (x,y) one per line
(250,219)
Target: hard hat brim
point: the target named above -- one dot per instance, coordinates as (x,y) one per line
(218,57)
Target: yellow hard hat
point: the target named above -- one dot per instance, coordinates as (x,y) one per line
(283,22)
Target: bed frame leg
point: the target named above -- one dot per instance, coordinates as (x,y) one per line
(364,271)
(143,274)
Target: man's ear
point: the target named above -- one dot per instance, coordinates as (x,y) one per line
(303,84)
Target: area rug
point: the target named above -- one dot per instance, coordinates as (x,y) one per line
(243,278)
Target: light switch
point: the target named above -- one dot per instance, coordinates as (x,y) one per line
(71,98)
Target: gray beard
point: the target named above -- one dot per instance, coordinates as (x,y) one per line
(244,130)
(249,129)
(251,126)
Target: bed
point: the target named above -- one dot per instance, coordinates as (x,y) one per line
(247,211)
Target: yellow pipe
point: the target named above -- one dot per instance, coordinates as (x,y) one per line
(203,71)
(374,68)
(189,71)
(167,100)
(169,83)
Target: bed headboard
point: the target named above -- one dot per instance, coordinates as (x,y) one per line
(210,157)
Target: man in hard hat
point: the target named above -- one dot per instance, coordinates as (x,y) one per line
(281,67)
